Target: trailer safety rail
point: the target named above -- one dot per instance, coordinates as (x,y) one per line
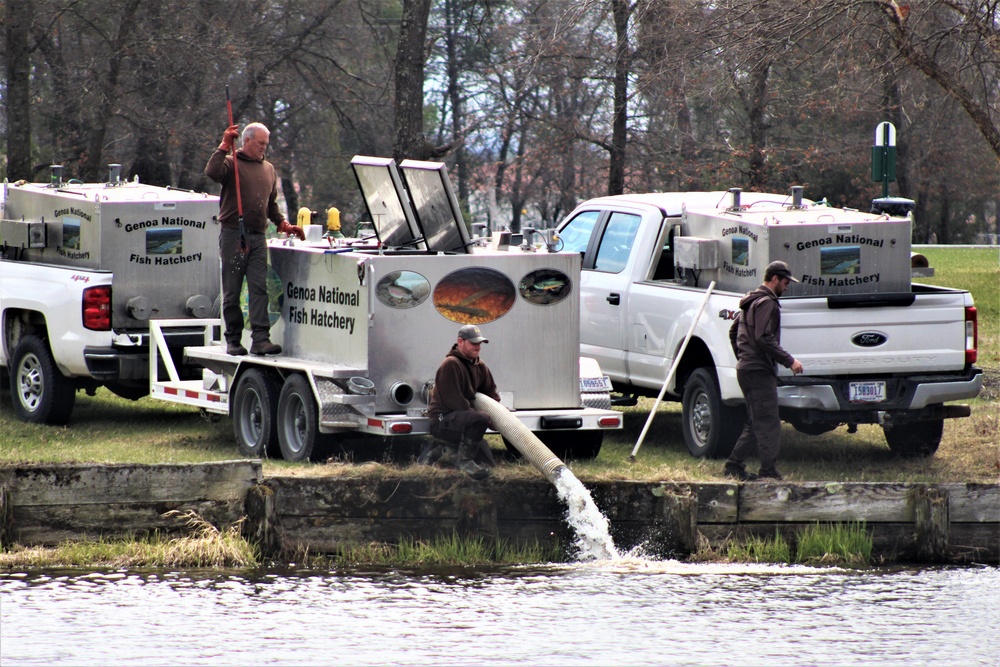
(175,390)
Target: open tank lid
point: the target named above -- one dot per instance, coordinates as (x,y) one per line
(438,212)
(387,203)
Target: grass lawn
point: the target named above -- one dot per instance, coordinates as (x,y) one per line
(108,429)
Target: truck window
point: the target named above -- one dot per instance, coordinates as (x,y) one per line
(619,235)
(576,234)
(664,266)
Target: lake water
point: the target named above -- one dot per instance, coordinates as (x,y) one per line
(626,612)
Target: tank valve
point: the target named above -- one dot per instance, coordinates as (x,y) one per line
(199,306)
(138,308)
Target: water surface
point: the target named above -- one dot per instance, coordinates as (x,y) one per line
(630,612)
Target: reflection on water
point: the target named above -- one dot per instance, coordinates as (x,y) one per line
(622,612)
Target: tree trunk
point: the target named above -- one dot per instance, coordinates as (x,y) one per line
(91,162)
(619,123)
(755,103)
(409,139)
(455,95)
(18,19)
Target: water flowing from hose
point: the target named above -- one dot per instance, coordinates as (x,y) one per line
(593,540)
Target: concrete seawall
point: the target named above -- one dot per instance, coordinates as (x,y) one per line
(49,504)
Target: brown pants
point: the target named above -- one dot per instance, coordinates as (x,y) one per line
(460,426)
(762,432)
(250,263)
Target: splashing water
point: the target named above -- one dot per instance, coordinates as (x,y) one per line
(592,537)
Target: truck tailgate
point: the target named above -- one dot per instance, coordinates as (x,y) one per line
(831,336)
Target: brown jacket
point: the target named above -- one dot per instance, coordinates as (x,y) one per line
(759,335)
(456,383)
(258,187)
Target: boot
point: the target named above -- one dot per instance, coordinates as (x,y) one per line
(430,452)
(448,457)
(467,451)
(484,456)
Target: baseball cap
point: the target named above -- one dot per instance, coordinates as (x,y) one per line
(471,333)
(780,269)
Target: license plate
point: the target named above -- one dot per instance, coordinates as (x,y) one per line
(595,384)
(867,392)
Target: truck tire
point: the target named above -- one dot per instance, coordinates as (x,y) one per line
(40,393)
(298,419)
(255,403)
(710,426)
(915,439)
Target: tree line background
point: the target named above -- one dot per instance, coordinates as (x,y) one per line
(535,105)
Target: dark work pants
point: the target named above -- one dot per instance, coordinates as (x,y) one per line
(762,432)
(252,264)
(460,426)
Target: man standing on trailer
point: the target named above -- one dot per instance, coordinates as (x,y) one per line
(242,241)
(759,352)
(452,414)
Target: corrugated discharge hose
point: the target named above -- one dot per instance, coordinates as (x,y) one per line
(523,439)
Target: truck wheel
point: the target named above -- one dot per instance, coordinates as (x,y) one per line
(710,426)
(40,393)
(298,419)
(915,438)
(254,406)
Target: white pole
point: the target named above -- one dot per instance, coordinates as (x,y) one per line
(673,369)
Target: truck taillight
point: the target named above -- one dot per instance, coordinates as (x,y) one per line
(97,308)
(971,335)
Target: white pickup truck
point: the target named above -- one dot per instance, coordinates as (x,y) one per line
(83,268)
(876,348)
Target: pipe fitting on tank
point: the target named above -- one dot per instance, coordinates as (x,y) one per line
(55,175)
(797,196)
(199,306)
(360,386)
(401,394)
(138,308)
(735,202)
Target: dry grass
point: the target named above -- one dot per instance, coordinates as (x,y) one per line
(204,546)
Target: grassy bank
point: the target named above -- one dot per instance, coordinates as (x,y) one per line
(207,547)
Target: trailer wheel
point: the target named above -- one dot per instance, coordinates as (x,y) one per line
(298,419)
(915,439)
(40,393)
(710,426)
(254,406)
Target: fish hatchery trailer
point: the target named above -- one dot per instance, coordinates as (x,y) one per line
(364,324)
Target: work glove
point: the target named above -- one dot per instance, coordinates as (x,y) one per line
(286,228)
(229,137)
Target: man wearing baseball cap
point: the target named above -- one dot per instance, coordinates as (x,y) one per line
(759,351)
(453,418)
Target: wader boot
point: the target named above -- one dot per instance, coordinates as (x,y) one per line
(467,451)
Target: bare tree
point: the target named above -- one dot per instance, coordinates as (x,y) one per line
(18,27)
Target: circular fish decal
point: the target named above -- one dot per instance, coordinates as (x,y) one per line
(545,286)
(474,295)
(402,289)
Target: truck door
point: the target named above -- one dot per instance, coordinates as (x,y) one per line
(605,279)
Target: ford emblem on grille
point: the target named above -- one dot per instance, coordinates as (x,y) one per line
(869,338)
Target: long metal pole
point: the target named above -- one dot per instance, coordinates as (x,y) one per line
(673,370)
(236,176)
